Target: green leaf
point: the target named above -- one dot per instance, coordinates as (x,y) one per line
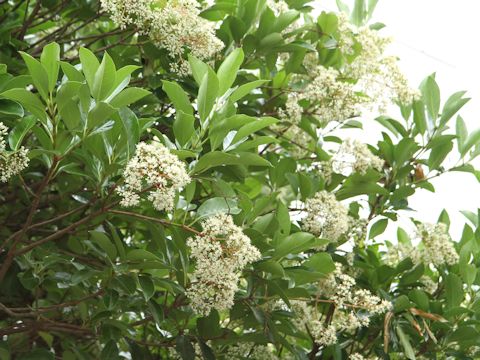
(11,108)
(328,22)
(105,244)
(97,116)
(453,290)
(209,326)
(16,136)
(29,101)
(178,97)
(472,139)
(468,273)
(118,241)
(246,89)
(183,127)
(419,116)
(253,127)
(185,348)
(131,128)
(71,72)
(358,185)
(378,228)
(199,69)
(147,286)
(420,298)
(156,311)
(67,106)
(218,158)
(462,133)
(214,159)
(207,94)
(454,103)
(271,266)
(110,351)
(122,78)
(218,205)
(407,346)
(141,255)
(431,96)
(321,262)
(128,96)
(50,59)
(104,79)
(219,130)
(464,333)
(359,12)
(295,243)
(90,65)
(438,154)
(38,73)
(227,72)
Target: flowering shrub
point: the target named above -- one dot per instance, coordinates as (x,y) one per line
(177,182)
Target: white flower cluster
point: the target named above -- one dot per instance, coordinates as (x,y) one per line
(11,162)
(174,355)
(245,350)
(437,248)
(221,252)
(327,98)
(300,140)
(138,13)
(357,232)
(354,156)
(396,253)
(153,166)
(339,287)
(174,25)
(323,335)
(350,321)
(278,6)
(429,285)
(356,356)
(326,217)
(307,318)
(378,74)
(324,168)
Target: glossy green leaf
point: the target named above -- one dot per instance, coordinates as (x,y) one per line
(38,74)
(227,72)
(178,97)
(207,94)
(50,59)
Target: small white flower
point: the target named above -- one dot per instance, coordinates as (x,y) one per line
(354,156)
(153,166)
(378,75)
(11,162)
(174,25)
(438,247)
(328,98)
(221,252)
(326,217)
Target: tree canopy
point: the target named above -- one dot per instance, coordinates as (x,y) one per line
(191,180)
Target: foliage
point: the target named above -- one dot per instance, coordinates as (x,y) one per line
(300,266)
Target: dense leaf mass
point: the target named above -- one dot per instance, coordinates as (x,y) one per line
(191,180)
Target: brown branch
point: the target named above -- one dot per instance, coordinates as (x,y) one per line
(19,311)
(12,251)
(386,331)
(29,20)
(42,223)
(161,221)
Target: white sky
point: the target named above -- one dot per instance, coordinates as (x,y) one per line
(438,36)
